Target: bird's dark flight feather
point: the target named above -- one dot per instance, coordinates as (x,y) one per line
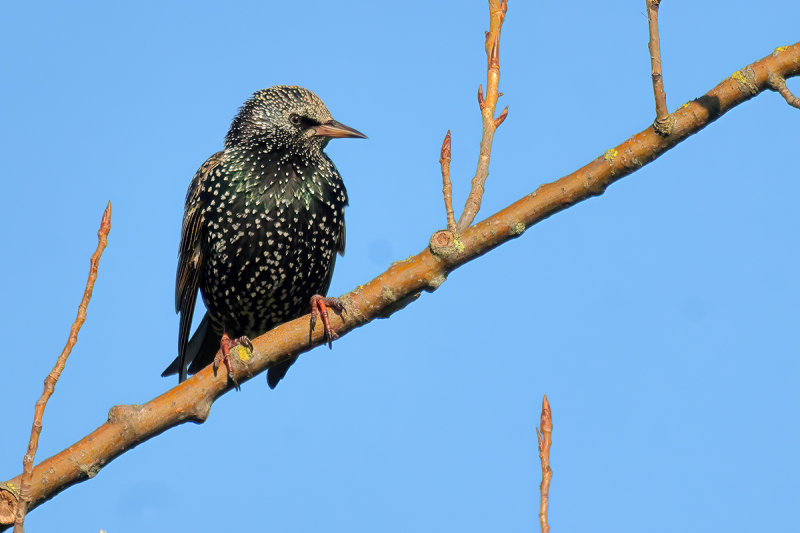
(190,260)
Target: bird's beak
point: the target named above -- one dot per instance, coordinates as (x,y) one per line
(337,129)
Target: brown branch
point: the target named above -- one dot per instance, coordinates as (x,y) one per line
(778,84)
(52,378)
(662,124)
(546,423)
(128,426)
(447,187)
(497,14)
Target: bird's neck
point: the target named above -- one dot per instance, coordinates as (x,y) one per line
(267,176)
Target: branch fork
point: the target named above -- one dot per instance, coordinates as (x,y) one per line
(487,104)
(664,121)
(778,84)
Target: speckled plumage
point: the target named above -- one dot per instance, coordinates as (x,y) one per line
(264,220)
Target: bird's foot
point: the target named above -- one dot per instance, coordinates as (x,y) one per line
(224,355)
(319,308)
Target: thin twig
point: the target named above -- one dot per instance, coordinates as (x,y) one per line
(546,423)
(497,14)
(447,187)
(662,123)
(778,83)
(52,378)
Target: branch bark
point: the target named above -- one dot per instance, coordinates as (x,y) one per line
(191,401)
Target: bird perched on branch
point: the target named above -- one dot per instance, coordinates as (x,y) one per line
(263,222)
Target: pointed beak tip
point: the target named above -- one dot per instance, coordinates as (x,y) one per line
(336,129)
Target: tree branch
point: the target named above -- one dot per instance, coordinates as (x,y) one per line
(663,123)
(447,186)
(52,378)
(497,13)
(128,426)
(545,440)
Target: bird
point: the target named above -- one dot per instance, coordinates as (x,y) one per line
(262,226)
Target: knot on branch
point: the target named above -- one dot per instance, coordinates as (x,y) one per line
(664,125)
(201,411)
(445,243)
(436,282)
(745,79)
(243,362)
(9,500)
(395,302)
(123,413)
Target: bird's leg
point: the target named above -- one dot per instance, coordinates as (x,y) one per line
(224,354)
(319,308)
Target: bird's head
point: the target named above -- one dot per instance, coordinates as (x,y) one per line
(285,117)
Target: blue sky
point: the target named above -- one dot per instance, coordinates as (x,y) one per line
(660,318)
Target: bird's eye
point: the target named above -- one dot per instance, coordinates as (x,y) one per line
(295,119)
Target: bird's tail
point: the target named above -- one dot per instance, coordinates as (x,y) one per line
(275,373)
(200,351)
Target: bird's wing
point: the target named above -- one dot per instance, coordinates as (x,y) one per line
(342,197)
(341,238)
(191,256)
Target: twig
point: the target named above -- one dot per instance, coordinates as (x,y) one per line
(778,83)
(52,378)
(447,187)
(662,124)
(546,423)
(191,401)
(497,14)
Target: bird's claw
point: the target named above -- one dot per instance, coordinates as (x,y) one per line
(319,308)
(246,342)
(224,355)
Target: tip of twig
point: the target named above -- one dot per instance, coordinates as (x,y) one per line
(499,120)
(481,100)
(445,148)
(105,222)
(546,422)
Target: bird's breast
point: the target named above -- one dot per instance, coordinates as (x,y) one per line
(272,240)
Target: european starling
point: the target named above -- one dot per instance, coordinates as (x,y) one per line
(263,221)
